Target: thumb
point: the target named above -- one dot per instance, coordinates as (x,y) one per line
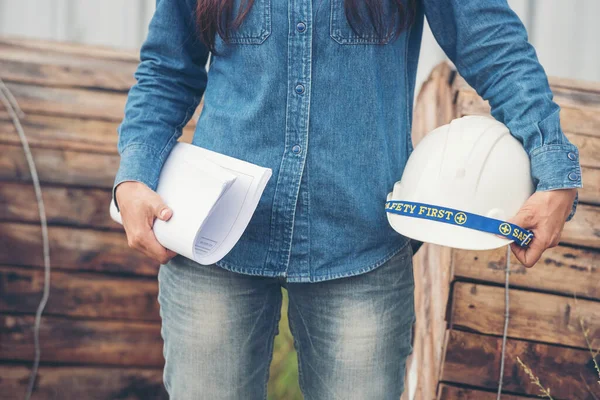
(162,211)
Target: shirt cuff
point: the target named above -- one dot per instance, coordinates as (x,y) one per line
(139,163)
(556,166)
(574,208)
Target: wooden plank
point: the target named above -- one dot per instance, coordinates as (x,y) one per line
(574,84)
(584,121)
(474,360)
(82,342)
(74,49)
(63,205)
(589,149)
(533,316)
(62,133)
(63,70)
(73,249)
(450,392)
(590,193)
(434,104)
(90,383)
(583,229)
(79,103)
(571,97)
(79,294)
(561,269)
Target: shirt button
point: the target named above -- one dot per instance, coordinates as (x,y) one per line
(573,176)
(572,156)
(301,27)
(299,89)
(296,149)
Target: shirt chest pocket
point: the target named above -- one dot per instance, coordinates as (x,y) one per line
(256,26)
(341,31)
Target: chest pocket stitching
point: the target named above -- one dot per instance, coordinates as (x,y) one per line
(340,29)
(245,36)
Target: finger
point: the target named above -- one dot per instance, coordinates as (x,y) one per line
(529,256)
(160,209)
(152,248)
(518,251)
(170,254)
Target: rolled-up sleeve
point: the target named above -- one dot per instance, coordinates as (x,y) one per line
(488,44)
(171,79)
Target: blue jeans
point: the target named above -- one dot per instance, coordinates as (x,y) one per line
(352,335)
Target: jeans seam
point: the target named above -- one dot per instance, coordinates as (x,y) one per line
(294,332)
(276,318)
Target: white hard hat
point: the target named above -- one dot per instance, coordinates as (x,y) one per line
(460,184)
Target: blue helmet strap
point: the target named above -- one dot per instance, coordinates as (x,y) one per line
(521,236)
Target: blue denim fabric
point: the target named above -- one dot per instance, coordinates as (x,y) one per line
(352,335)
(329,110)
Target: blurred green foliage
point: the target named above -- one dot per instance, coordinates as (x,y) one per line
(283,375)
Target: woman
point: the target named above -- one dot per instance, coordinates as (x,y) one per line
(322,93)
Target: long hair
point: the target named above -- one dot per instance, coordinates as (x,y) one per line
(214,17)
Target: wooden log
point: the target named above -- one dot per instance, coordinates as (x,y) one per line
(63,167)
(450,392)
(561,270)
(85,342)
(29,66)
(64,205)
(79,294)
(90,383)
(79,103)
(74,49)
(59,166)
(474,360)
(533,316)
(73,249)
(60,133)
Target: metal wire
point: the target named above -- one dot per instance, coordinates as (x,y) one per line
(506,319)
(15,113)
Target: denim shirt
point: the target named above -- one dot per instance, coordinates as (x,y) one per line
(329,111)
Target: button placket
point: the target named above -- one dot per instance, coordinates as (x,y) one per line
(287,189)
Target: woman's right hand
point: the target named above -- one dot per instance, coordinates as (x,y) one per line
(139,206)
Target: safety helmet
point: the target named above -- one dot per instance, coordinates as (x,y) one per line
(460,184)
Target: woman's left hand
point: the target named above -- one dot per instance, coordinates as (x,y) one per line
(545,214)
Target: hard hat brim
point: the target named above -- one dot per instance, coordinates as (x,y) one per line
(442,234)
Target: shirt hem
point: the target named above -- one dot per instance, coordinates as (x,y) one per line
(310,279)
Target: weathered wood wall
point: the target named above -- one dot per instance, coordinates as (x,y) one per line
(460,294)
(100,335)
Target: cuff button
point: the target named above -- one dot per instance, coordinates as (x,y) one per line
(572,156)
(573,176)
